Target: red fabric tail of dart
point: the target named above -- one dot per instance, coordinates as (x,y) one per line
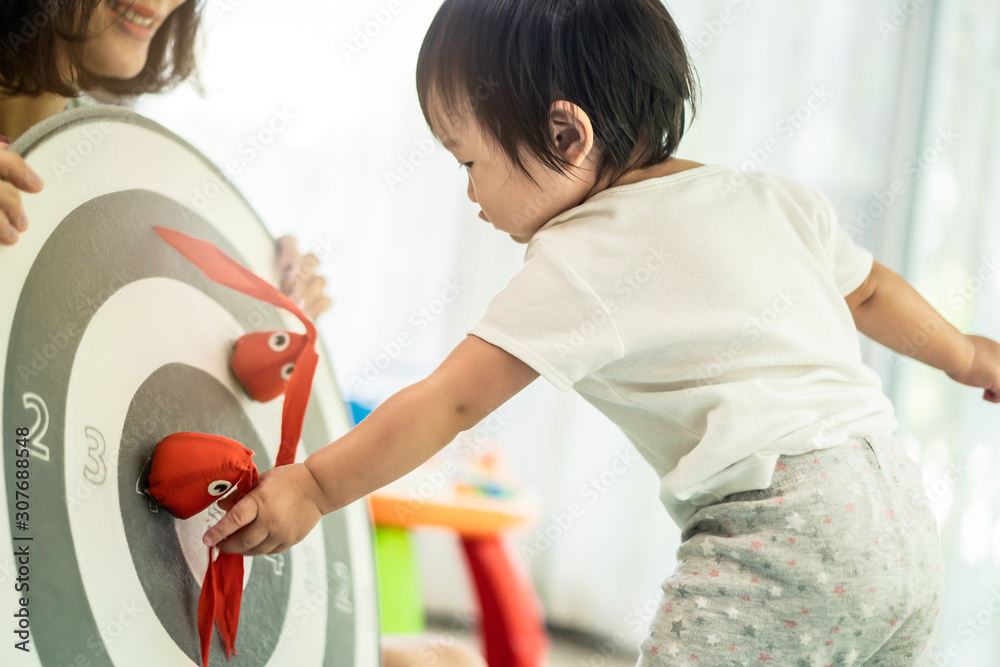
(206,609)
(230,568)
(222,591)
(296,400)
(221,595)
(223,269)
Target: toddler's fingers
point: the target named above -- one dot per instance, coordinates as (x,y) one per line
(278,549)
(268,545)
(242,513)
(249,541)
(226,502)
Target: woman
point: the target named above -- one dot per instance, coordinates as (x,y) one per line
(55,50)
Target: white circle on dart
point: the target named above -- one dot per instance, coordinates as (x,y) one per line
(141,328)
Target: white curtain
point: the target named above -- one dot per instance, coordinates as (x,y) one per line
(953,257)
(314,114)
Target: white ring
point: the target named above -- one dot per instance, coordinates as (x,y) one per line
(142,327)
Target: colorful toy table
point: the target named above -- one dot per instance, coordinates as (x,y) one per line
(512,630)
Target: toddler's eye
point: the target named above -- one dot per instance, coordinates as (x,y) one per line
(466,165)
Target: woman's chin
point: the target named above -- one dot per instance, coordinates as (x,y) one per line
(122,64)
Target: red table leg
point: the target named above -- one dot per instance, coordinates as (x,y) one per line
(512,631)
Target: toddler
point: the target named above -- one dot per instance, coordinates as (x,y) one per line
(715,324)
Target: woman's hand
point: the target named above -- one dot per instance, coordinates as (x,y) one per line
(299,280)
(277,514)
(984,372)
(15,175)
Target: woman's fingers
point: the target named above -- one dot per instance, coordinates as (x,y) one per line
(15,175)
(288,259)
(13,221)
(314,301)
(8,233)
(299,280)
(317,307)
(16,171)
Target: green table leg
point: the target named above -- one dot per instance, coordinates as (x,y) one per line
(401,605)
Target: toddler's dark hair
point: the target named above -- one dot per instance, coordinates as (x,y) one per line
(504,62)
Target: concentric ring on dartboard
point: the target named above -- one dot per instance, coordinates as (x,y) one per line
(91,258)
(180,387)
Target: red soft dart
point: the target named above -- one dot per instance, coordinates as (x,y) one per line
(225,270)
(189,472)
(265,360)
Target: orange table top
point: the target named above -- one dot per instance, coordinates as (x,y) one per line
(469,516)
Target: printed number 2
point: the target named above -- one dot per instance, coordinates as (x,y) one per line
(33,401)
(342,597)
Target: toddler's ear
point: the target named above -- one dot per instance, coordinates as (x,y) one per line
(572,131)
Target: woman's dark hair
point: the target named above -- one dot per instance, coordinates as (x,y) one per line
(33,30)
(504,62)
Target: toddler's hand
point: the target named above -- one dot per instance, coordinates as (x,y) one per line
(299,280)
(15,175)
(985,369)
(275,515)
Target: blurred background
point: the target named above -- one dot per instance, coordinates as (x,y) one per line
(891,107)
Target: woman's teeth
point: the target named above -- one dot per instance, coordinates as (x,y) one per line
(123,10)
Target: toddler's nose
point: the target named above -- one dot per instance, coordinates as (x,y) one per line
(472,192)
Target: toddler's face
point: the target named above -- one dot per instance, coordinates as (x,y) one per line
(509,200)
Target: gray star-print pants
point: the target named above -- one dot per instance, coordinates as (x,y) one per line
(837,563)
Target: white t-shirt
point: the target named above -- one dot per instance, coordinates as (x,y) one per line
(707,321)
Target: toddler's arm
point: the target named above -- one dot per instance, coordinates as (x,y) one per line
(406,430)
(888,310)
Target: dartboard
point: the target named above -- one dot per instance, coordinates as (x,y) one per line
(112,341)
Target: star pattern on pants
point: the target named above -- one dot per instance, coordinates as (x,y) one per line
(802,548)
